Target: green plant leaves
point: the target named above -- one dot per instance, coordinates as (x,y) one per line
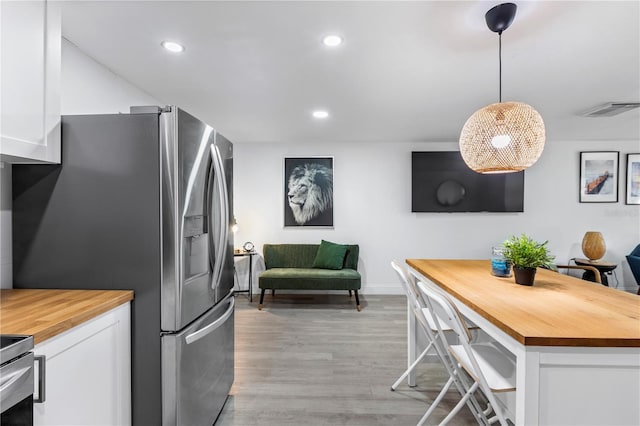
(527,253)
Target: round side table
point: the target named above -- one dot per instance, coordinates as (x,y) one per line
(601,265)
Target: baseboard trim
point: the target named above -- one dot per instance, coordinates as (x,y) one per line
(377,290)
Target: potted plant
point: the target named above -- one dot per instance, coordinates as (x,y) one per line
(526,255)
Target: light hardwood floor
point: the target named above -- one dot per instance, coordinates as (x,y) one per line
(315,360)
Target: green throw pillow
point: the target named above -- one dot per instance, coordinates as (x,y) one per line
(330,255)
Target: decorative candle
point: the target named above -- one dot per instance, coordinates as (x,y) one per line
(500,267)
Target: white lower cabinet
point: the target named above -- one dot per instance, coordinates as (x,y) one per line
(87,379)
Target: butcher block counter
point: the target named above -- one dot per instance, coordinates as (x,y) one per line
(558,310)
(47,313)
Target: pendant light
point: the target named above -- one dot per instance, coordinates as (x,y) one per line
(506,136)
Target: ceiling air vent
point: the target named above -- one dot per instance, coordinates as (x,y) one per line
(610,109)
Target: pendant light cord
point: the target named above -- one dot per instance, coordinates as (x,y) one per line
(500,63)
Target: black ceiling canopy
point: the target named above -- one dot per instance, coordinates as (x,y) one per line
(500,17)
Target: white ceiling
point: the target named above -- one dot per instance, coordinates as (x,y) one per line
(406,72)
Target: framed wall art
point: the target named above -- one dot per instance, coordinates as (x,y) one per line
(633,179)
(599,177)
(308,191)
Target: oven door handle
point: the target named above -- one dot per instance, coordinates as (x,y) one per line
(42,378)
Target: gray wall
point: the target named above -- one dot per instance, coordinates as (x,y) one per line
(87,88)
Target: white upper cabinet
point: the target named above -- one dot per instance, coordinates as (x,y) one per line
(30,46)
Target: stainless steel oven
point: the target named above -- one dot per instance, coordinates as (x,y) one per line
(16,380)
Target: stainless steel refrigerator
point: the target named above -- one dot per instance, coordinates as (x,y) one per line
(142,201)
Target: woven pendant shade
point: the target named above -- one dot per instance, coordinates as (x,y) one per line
(502,137)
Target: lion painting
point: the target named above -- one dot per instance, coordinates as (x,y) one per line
(310,194)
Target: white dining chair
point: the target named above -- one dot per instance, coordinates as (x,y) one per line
(428,325)
(425,321)
(490,368)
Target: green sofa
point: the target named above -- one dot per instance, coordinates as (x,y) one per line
(290,267)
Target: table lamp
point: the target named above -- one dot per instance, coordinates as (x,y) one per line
(593,245)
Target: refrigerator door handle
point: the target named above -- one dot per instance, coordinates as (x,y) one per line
(222,228)
(194,337)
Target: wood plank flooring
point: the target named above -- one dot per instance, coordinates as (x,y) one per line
(314,360)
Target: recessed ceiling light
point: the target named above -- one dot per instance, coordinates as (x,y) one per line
(172,46)
(320,114)
(332,40)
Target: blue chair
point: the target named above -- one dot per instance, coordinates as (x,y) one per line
(634,264)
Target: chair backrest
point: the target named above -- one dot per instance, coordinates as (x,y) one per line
(302,255)
(441,306)
(418,304)
(411,291)
(432,328)
(407,281)
(634,265)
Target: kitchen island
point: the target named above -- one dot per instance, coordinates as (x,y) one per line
(85,338)
(576,344)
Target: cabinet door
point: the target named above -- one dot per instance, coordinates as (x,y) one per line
(30,46)
(88,373)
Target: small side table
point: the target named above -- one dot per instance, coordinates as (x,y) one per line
(250,255)
(603,266)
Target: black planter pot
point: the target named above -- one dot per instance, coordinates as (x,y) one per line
(524,276)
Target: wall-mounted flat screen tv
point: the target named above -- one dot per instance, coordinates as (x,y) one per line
(442,182)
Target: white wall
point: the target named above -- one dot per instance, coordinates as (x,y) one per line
(372,207)
(87,88)
(372,194)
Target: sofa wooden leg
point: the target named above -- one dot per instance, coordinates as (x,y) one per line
(261,300)
(357,300)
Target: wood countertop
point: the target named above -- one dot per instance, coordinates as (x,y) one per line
(47,313)
(558,310)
